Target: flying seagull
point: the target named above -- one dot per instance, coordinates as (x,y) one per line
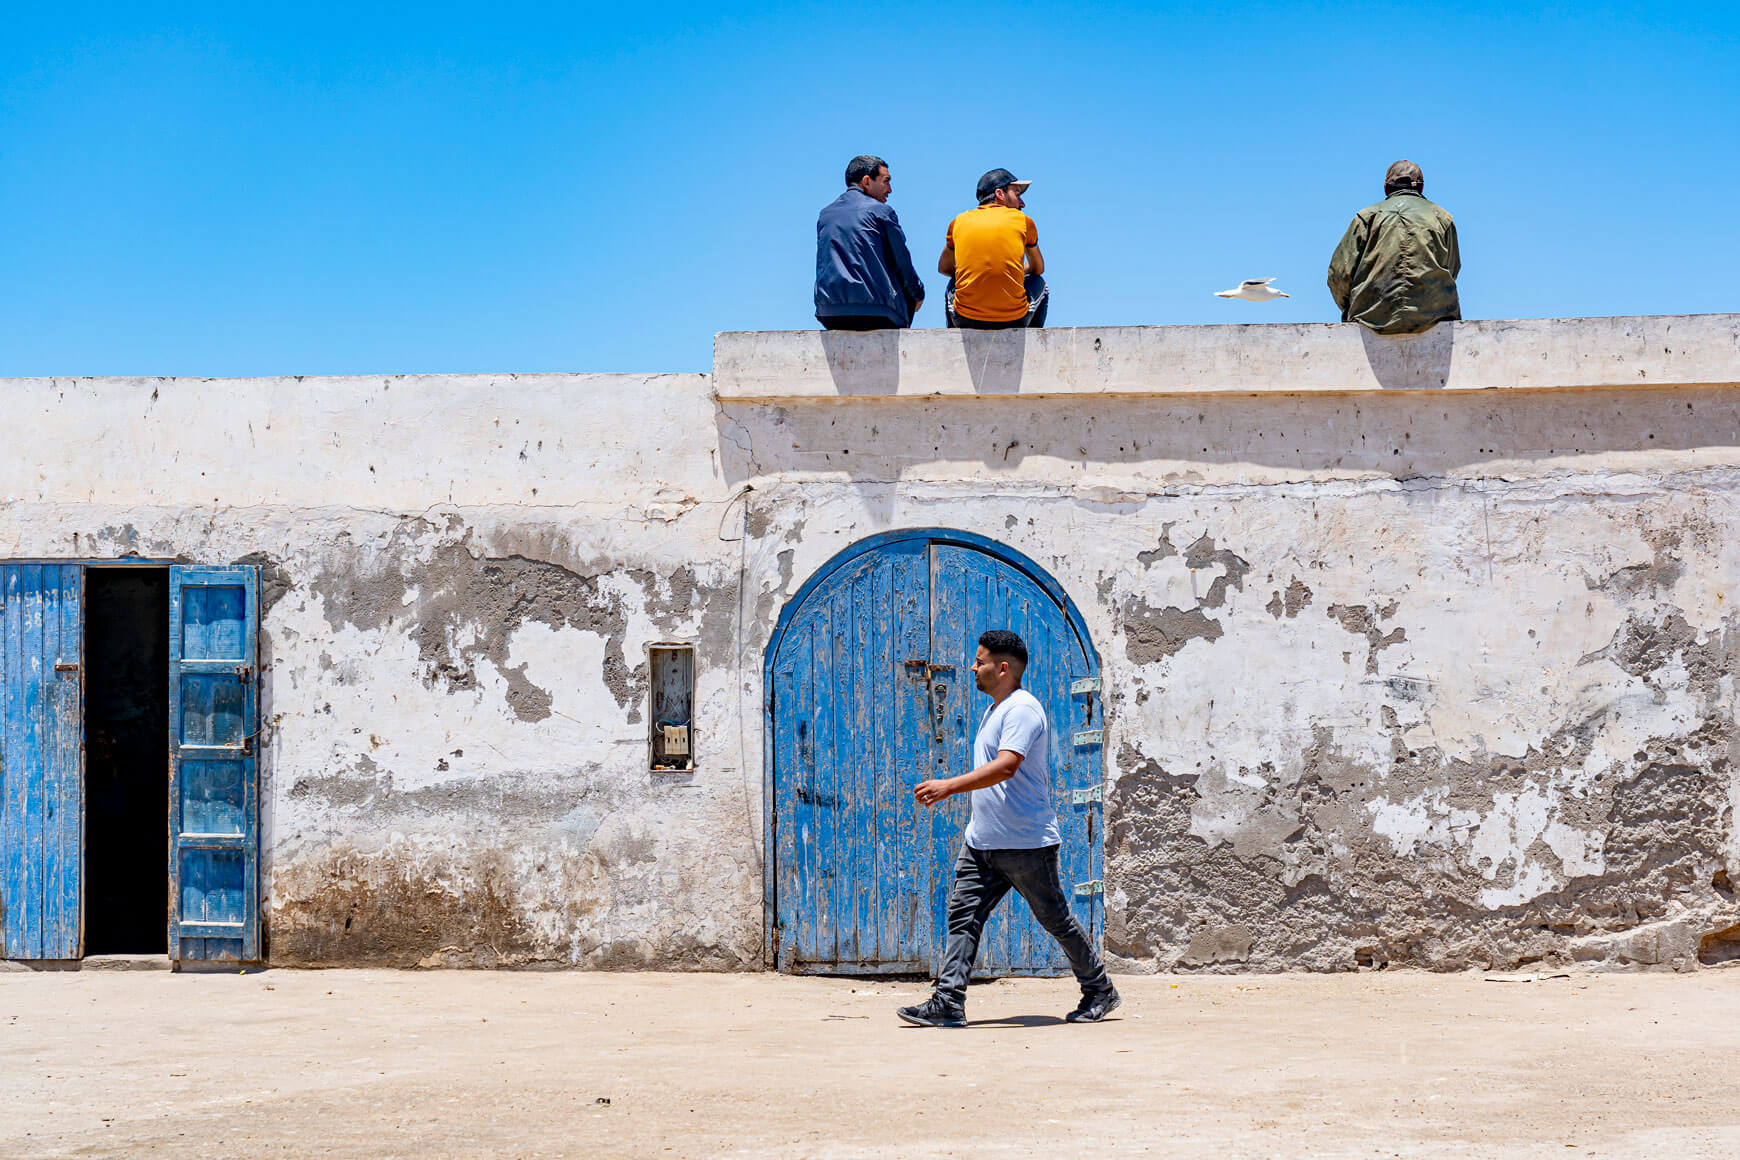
(1254,290)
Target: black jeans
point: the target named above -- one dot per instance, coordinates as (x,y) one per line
(1038,302)
(982,878)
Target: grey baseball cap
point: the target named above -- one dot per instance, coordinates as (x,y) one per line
(997,179)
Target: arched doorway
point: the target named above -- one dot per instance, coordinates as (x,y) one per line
(869,692)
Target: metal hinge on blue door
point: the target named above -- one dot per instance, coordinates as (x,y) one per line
(1083,796)
(1089,888)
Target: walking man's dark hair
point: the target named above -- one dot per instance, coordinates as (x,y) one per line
(862,166)
(1000,642)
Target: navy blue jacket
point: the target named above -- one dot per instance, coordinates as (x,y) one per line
(862,267)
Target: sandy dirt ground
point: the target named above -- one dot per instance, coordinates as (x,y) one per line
(436,1064)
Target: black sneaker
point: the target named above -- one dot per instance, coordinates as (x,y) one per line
(935,1011)
(1094,1006)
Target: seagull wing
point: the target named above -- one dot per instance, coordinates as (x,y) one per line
(1256,282)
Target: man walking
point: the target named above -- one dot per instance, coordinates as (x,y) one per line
(1395,269)
(991,255)
(865,279)
(1011,841)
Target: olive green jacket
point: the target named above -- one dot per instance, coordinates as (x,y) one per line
(1395,269)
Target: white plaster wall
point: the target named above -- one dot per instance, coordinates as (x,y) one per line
(1467,698)
(1464,699)
(462,575)
(392,442)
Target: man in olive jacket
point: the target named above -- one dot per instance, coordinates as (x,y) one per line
(1395,269)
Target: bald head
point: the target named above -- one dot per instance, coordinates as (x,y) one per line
(1403,175)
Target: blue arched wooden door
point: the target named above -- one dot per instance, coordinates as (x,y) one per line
(869,693)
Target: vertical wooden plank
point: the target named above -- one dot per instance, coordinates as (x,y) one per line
(1001,609)
(822,940)
(947,630)
(802,914)
(826,801)
(178,948)
(1079,771)
(848,755)
(882,782)
(984,611)
(792,729)
(30,750)
(250,941)
(1029,943)
(858,802)
(841,754)
(815,887)
(12,785)
(63,812)
(875,689)
(1057,712)
(908,917)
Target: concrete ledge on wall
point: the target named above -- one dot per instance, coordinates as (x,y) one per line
(1529,354)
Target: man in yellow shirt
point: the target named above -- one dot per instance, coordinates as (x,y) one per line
(992,258)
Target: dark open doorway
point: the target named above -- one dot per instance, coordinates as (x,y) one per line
(126,760)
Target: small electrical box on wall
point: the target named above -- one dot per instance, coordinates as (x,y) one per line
(672,707)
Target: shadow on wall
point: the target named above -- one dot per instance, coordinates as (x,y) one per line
(863,362)
(1267,438)
(867,363)
(1410,362)
(995,359)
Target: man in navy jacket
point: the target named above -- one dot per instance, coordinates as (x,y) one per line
(865,279)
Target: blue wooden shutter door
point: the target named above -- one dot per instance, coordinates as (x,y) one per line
(42,813)
(213,794)
(861,873)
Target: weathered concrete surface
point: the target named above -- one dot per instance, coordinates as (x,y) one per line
(1440,677)
(1529,353)
(462,575)
(388,1064)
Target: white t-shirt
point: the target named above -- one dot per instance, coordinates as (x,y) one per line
(1015,814)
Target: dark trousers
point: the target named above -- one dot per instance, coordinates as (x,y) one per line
(1038,302)
(858,322)
(982,878)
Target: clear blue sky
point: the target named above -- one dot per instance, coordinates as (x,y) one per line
(241,189)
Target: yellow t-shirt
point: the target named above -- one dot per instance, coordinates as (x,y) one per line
(990,243)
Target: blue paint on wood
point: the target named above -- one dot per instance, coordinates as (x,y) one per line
(63,819)
(859,873)
(214,862)
(41,767)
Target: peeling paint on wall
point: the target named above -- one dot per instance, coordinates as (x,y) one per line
(1402,678)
